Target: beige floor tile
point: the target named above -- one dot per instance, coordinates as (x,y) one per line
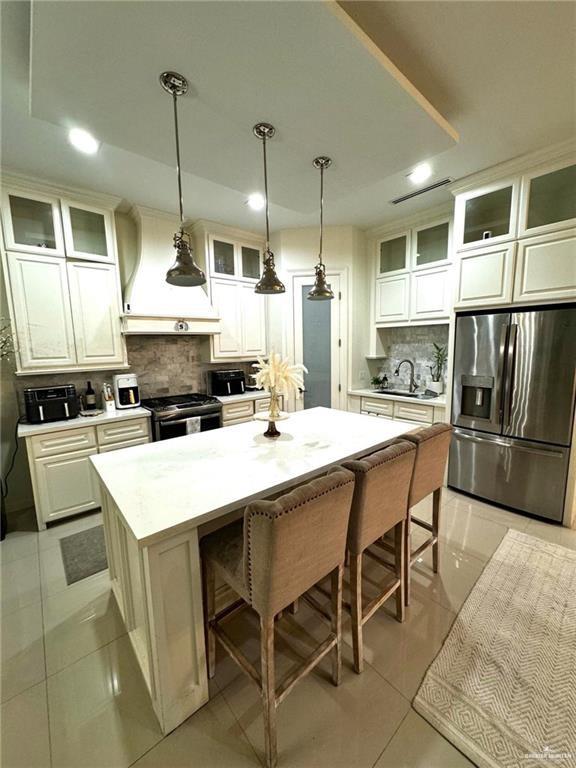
(53,577)
(557,534)
(417,745)
(22,650)
(18,544)
(56,531)
(465,505)
(20,584)
(320,724)
(467,531)
(78,621)
(402,652)
(100,711)
(25,741)
(211,738)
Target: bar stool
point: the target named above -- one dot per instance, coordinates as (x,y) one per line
(278,552)
(380,504)
(432,445)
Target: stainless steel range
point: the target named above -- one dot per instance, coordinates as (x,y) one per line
(177,415)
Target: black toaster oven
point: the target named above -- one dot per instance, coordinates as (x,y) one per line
(51,403)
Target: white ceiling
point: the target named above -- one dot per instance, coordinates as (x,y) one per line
(501,72)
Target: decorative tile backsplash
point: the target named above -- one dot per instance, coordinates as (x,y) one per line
(165,365)
(413,343)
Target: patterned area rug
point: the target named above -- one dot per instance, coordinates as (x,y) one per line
(83,554)
(503,687)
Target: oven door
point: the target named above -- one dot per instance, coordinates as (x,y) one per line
(165,430)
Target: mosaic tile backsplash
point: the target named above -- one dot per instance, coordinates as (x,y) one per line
(413,343)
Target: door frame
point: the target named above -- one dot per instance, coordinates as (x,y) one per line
(340,398)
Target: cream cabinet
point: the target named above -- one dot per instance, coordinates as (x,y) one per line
(392,299)
(243,321)
(235,259)
(394,254)
(486,214)
(95,298)
(41,312)
(546,268)
(243,410)
(548,199)
(31,222)
(431,294)
(88,232)
(484,277)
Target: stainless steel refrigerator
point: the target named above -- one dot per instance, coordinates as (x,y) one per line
(513,407)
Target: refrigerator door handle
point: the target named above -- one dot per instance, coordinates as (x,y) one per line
(500,383)
(540,450)
(509,383)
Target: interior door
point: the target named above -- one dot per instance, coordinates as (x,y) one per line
(539,400)
(317,344)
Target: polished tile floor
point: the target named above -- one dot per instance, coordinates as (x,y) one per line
(72,695)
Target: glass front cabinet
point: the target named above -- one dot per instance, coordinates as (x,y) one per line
(233,259)
(548,200)
(32,223)
(487,215)
(88,232)
(394,254)
(431,245)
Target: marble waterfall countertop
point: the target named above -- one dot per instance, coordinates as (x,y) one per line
(122,414)
(167,487)
(439,401)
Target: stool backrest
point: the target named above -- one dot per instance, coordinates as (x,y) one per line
(432,445)
(380,493)
(293,542)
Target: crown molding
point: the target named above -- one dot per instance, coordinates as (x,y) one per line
(207,227)
(427,216)
(31,183)
(516,166)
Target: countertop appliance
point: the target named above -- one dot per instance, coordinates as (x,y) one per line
(227,383)
(51,403)
(126,392)
(513,407)
(177,415)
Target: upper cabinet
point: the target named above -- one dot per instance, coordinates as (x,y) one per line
(431,245)
(548,200)
(394,254)
(486,214)
(32,223)
(88,232)
(234,259)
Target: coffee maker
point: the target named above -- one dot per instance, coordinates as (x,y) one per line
(126,393)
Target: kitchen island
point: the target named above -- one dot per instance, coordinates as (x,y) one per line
(156,497)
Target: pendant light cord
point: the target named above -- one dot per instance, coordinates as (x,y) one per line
(180,199)
(266,193)
(321,211)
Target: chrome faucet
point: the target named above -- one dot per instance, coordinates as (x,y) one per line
(413,386)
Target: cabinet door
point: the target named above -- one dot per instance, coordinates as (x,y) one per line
(546,268)
(486,214)
(88,232)
(484,277)
(431,245)
(548,200)
(250,260)
(42,316)
(392,297)
(226,300)
(65,484)
(431,294)
(223,257)
(32,223)
(392,256)
(95,300)
(253,312)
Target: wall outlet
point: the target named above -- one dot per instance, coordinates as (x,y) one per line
(361,375)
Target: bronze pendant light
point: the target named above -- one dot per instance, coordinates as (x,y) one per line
(269,283)
(184,271)
(321,291)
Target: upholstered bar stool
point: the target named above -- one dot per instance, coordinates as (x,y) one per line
(432,444)
(380,504)
(278,551)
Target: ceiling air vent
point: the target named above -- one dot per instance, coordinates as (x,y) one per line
(422,191)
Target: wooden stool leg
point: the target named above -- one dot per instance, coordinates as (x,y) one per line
(399,552)
(356,600)
(293,607)
(336,579)
(268,690)
(407,558)
(436,502)
(209,583)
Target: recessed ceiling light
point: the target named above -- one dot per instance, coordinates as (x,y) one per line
(420,173)
(83,141)
(256,201)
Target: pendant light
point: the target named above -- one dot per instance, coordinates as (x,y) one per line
(183,272)
(269,283)
(321,291)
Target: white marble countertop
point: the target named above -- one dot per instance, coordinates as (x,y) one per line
(27,430)
(257,394)
(439,401)
(169,486)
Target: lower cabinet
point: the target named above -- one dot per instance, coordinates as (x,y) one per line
(414,413)
(244,410)
(546,267)
(63,480)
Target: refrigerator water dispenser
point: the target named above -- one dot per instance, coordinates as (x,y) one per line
(476,399)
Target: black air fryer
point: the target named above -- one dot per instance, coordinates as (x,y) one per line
(227,383)
(51,403)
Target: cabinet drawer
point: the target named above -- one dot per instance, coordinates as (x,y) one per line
(376,415)
(261,406)
(120,432)
(409,412)
(242,420)
(373,405)
(243,409)
(124,444)
(65,441)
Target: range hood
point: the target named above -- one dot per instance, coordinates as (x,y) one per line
(151,305)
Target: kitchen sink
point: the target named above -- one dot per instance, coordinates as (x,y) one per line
(405,393)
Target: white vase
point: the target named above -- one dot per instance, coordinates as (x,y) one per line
(436,386)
